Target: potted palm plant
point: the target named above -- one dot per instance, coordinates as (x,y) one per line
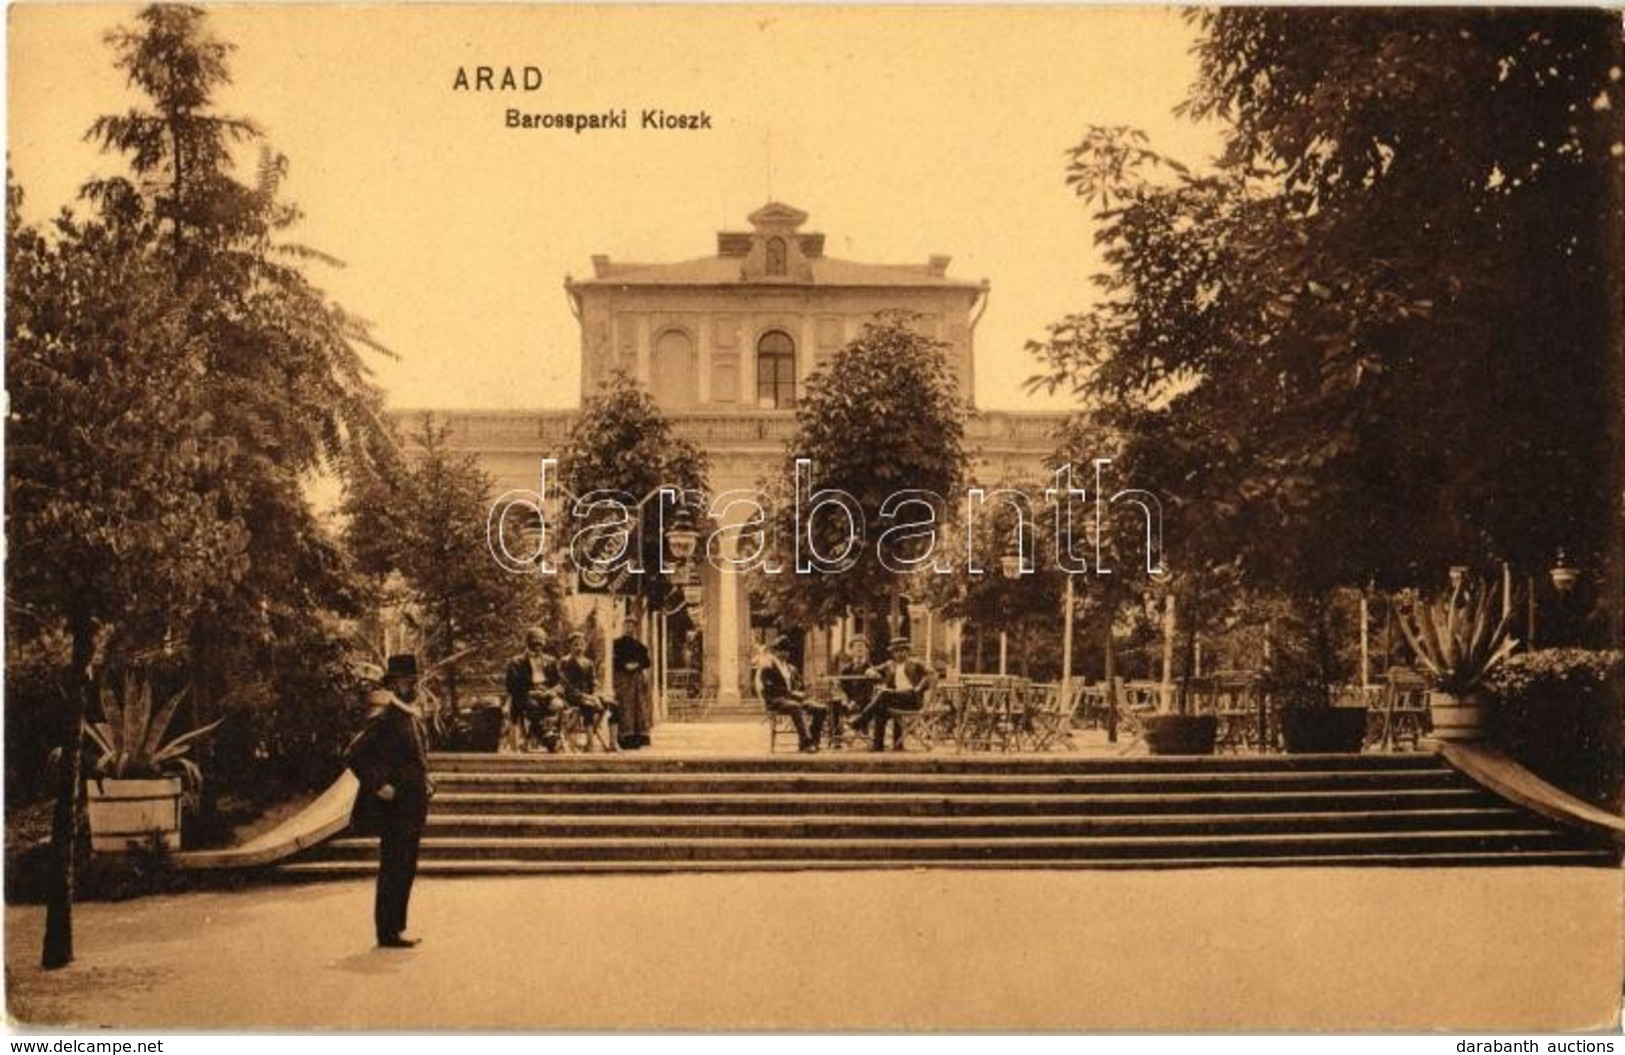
(138,773)
(1457,643)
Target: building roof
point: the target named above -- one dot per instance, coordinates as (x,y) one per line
(722,270)
(738,262)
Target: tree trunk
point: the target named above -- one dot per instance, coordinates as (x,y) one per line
(1188,649)
(207,679)
(58,946)
(451,649)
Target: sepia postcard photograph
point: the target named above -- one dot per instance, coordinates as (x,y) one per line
(905,519)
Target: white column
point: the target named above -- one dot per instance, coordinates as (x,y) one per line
(1004,651)
(1168,655)
(727,631)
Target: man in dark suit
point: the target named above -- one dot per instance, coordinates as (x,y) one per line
(532,683)
(902,684)
(784,693)
(391,761)
(630,659)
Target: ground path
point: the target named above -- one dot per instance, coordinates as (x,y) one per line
(1233,949)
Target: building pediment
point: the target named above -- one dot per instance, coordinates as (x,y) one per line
(776,214)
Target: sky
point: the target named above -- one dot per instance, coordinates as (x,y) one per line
(904,131)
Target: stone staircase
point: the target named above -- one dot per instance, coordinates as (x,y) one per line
(517,814)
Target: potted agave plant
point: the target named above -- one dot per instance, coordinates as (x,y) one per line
(1457,643)
(138,774)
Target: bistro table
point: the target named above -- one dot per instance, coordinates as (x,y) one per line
(988,713)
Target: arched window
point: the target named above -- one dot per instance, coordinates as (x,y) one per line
(775,371)
(775,257)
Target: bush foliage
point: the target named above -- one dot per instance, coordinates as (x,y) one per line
(1562,714)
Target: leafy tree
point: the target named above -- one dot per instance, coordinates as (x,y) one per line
(1495,403)
(1374,341)
(424,517)
(1027,607)
(623,443)
(115,533)
(283,379)
(883,417)
(178,382)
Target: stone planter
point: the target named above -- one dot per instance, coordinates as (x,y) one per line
(131,811)
(1459,719)
(1323,730)
(477,729)
(1180,734)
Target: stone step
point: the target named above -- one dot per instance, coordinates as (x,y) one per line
(917,804)
(314,870)
(1148,847)
(489,826)
(914,762)
(639,812)
(634,782)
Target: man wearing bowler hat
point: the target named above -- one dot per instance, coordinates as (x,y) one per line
(783,693)
(391,761)
(903,684)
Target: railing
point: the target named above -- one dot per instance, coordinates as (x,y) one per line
(537,429)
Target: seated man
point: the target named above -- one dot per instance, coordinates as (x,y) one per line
(578,677)
(856,679)
(903,685)
(784,693)
(532,682)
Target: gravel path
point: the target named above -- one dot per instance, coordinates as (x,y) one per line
(1299,950)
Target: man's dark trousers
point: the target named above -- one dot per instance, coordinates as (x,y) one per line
(888,703)
(397,867)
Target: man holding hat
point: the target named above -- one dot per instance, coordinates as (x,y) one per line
(903,683)
(784,693)
(391,760)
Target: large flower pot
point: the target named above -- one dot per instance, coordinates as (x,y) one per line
(1179,734)
(1323,730)
(1459,719)
(477,728)
(123,812)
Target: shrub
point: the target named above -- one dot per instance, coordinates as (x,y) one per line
(1562,714)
